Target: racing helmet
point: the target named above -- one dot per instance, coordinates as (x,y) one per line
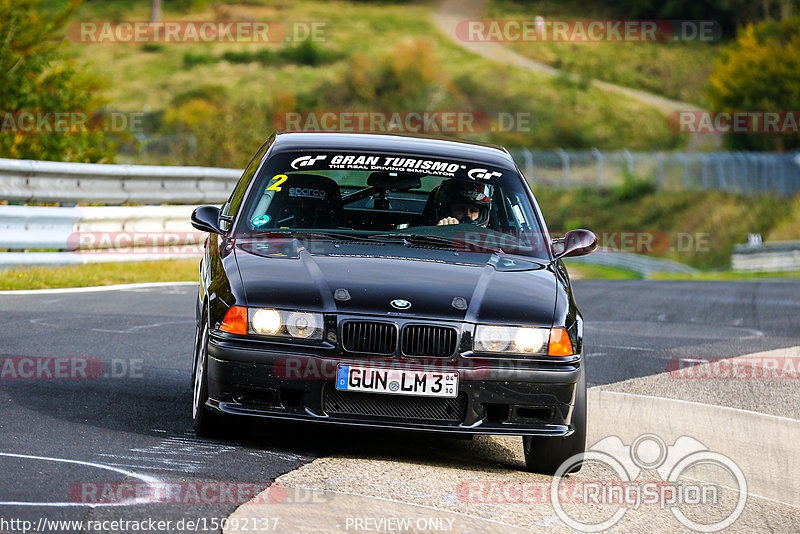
(465,192)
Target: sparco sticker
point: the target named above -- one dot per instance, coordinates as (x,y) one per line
(308,192)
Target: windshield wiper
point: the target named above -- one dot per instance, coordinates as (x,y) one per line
(311,234)
(447,242)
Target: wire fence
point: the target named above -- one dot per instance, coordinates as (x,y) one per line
(736,172)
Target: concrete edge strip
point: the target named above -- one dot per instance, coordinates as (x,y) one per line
(733,432)
(90,289)
(677,418)
(246,510)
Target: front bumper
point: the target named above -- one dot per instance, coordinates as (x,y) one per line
(297,383)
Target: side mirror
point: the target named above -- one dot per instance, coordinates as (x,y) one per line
(578,243)
(206,219)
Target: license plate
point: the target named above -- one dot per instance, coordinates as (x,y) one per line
(397,381)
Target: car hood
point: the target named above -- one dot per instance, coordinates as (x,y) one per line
(496,289)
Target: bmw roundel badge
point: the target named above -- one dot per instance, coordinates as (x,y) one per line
(401,304)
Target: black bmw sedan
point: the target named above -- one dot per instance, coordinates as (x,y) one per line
(389,281)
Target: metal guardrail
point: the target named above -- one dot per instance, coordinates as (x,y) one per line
(767,257)
(49,181)
(96,234)
(41,227)
(638,263)
(736,172)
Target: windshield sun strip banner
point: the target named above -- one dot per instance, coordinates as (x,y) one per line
(389,162)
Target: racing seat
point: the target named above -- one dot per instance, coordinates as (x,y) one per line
(428,217)
(306,201)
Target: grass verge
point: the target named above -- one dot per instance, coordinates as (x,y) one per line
(100,274)
(674,69)
(587,271)
(722,276)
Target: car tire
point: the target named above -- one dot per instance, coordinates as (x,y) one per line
(545,454)
(205,422)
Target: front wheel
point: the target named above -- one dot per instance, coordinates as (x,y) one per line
(205,422)
(545,454)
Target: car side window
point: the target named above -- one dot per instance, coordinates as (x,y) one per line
(231,207)
(516,211)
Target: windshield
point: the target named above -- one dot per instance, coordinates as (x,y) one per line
(382,196)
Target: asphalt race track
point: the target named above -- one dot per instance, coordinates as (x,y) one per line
(127,418)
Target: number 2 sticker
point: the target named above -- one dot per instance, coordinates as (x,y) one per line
(277,185)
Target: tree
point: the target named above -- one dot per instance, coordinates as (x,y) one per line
(37,82)
(760,72)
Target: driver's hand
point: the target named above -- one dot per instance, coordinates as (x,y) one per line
(447,220)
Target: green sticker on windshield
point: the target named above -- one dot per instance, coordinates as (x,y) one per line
(261,220)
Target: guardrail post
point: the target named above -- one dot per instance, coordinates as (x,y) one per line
(704,163)
(721,180)
(629,158)
(564,167)
(660,171)
(741,171)
(599,157)
(684,159)
(528,157)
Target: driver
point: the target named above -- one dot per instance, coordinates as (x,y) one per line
(459,201)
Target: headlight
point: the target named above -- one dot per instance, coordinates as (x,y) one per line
(513,340)
(529,339)
(303,324)
(493,338)
(290,324)
(266,321)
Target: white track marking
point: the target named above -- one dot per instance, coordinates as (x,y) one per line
(131,330)
(144,478)
(625,347)
(116,287)
(715,406)
(183,453)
